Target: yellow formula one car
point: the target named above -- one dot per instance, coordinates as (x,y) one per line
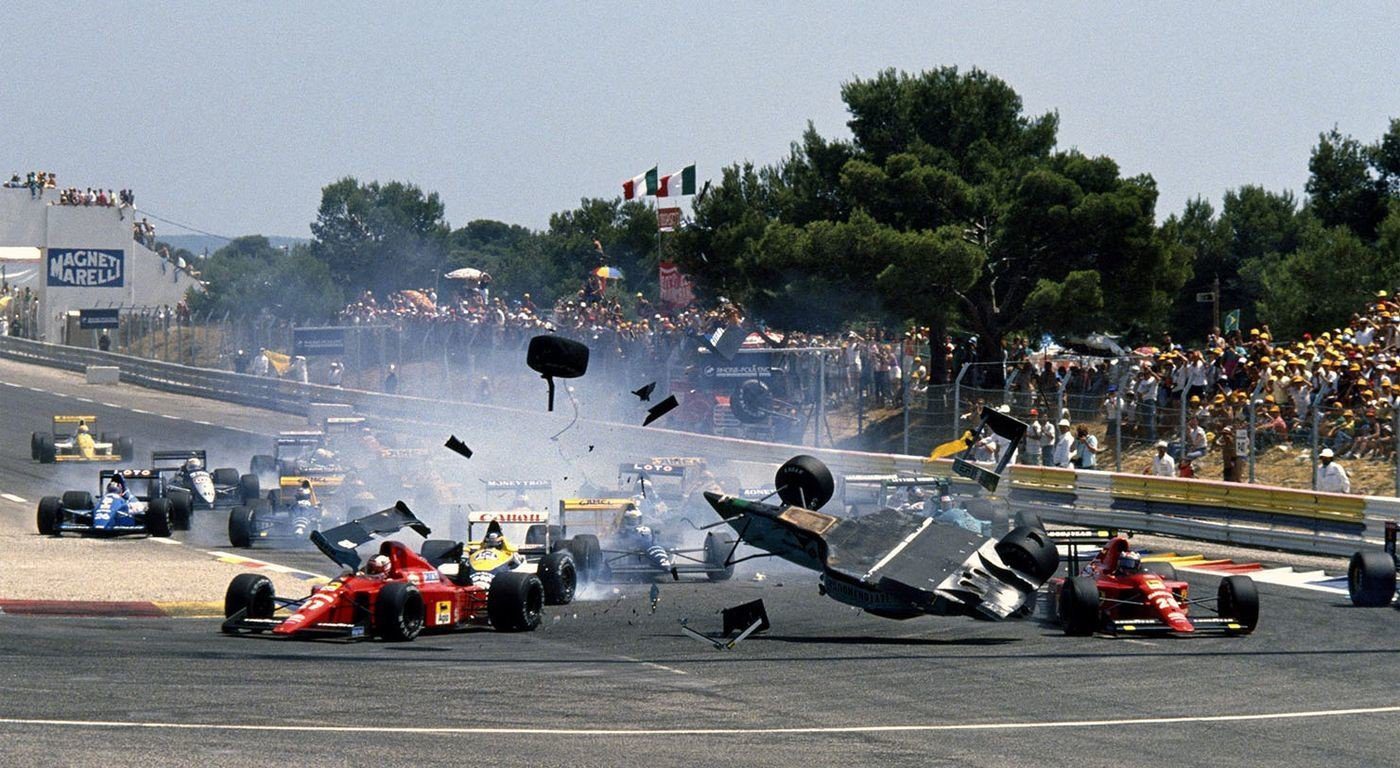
(71,439)
(482,560)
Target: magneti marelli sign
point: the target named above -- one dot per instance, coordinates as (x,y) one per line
(86,268)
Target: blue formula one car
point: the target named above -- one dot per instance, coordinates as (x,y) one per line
(124,507)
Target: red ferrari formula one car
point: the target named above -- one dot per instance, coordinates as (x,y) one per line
(1114,593)
(395,596)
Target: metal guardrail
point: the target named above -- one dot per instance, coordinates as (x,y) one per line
(1286,519)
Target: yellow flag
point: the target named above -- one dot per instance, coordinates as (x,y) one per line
(278,361)
(952,447)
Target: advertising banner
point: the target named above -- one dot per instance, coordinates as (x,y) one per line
(318,341)
(86,268)
(675,287)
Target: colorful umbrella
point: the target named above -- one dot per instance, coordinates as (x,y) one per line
(608,273)
(468,273)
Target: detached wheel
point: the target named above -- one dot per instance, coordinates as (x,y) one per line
(1238,599)
(398,612)
(251,592)
(559,577)
(804,481)
(717,548)
(1371,579)
(588,556)
(122,447)
(50,515)
(158,515)
(1079,606)
(248,488)
(515,602)
(1030,551)
(240,526)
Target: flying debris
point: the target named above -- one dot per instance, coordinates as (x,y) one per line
(453,444)
(661,409)
(644,394)
(556,357)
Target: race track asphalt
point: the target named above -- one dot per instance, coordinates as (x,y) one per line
(609,682)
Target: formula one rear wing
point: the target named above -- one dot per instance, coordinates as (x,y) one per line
(158,457)
(344,543)
(1003,425)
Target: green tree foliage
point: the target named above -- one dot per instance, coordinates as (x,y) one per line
(381,237)
(1342,189)
(248,276)
(948,206)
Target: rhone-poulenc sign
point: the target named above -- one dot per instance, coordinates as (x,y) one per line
(86,268)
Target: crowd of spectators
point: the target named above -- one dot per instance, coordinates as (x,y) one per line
(35,181)
(121,199)
(19,311)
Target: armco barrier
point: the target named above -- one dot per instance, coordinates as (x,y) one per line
(1307,521)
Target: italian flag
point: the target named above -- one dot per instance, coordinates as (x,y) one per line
(640,185)
(681,182)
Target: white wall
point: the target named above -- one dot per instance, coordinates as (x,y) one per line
(149,280)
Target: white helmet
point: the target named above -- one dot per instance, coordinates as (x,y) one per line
(193,465)
(377,565)
(632,518)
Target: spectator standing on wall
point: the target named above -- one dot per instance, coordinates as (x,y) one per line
(337,374)
(391,381)
(104,342)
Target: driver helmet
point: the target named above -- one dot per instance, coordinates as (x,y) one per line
(632,518)
(1130,562)
(193,465)
(322,453)
(115,485)
(494,540)
(377,565)
(82,429)
(304,493)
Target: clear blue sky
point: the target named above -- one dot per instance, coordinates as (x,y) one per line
(232,120)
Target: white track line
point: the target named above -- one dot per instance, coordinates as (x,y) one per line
(162,540)
(388,729)
(14,498)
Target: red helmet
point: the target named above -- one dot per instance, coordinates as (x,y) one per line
(377,565)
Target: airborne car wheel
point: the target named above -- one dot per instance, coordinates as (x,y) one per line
(717,548)
(804,481)
(515,602)
(1030,551)
(1371,579)
(559,577)
(398,611)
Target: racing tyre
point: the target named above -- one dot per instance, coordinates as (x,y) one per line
(240,526)
(398,613)
(559,577)
(804,481)
(263,464)
(515,602)
(248,488)
(1030,551)
(251,592)
(47,453)
(182,510)
(1371,579)
(123,448)
(588,556)
(158,515)
(50,515)
(78,500)
(1079,606)
(717,548)
(34,446)
(225,476)
(1238,599)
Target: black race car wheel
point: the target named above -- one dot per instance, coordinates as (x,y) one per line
(515,602)
(240,526)
(559,577)
(181,509)
(717,548)
(224,476)
(78,500)
(50,515)
(263,466)
(1030,551)
(158,515)
(1079,606)
(47,453)
(804,481)
(122,447)
(1238,599)
(34,446)
(1371,579)
(588,556)
(248,488)
(251,592)
(1029,520)
(398,611)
